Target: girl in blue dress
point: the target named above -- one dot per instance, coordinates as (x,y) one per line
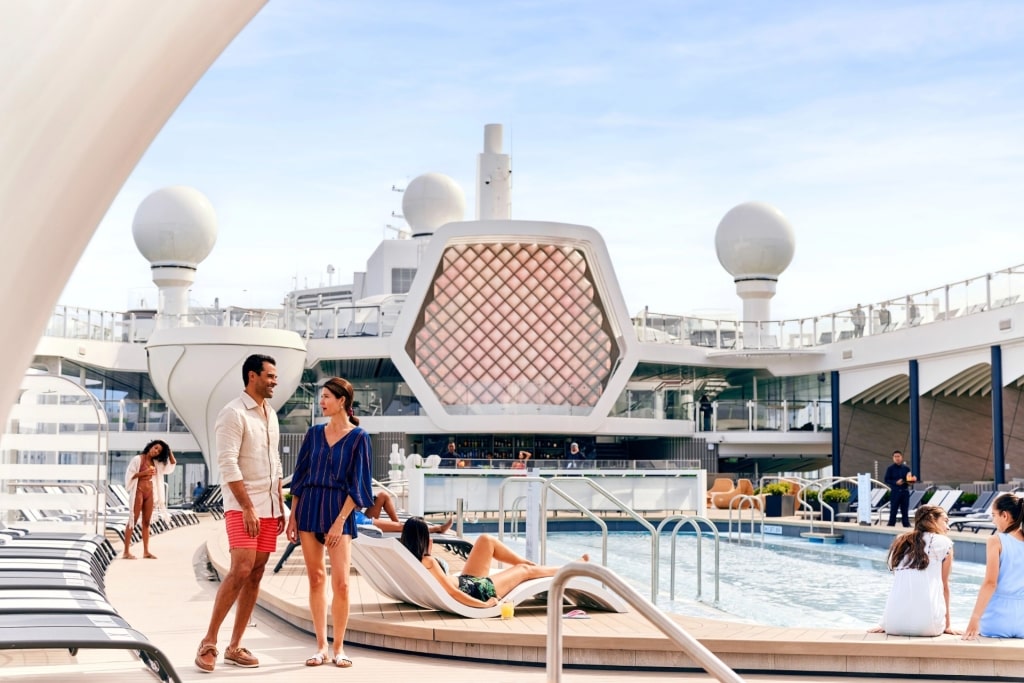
(999,610)
(331,481)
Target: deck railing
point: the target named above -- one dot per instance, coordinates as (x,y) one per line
(975,295)
(953,300)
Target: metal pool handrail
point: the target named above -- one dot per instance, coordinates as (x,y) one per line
(544,535)
(690,646)
(549,483)
(693,521)
(513,526)
(820,485)
(655,545)
(754,504)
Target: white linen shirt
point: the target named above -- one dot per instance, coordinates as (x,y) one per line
(247,451)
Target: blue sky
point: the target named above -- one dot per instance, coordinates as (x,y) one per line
(891,135)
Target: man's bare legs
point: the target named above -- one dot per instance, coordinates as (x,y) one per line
(240,588)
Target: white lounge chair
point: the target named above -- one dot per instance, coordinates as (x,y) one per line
(394,572)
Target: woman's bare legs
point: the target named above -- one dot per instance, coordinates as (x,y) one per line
(130,527)
(485,550)
(507,579)
(382,501)
(147,517)
(316,571)
(389,526)
(340,555)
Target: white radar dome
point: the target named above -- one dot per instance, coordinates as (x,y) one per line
(430,201)
(754,240)
(175,226)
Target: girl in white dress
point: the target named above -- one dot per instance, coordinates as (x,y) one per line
(921,561)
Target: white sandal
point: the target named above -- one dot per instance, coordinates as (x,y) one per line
(340,660)
(317,659)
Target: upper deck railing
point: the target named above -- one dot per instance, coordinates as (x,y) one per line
(954,300)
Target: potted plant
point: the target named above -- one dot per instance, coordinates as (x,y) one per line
(810,496)
(779,500)
(966,500)
(838,500)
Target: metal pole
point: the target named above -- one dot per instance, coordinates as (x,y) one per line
(915,421)
(836,457)
(998,440)
(458,517)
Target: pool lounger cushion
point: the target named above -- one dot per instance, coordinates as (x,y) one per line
(28,578)
(88,542)
(81,632)
(49,600)
(393,571)
(10,565)
(100,554)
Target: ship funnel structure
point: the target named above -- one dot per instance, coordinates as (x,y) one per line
(175,228)
(755,243)
(493,178)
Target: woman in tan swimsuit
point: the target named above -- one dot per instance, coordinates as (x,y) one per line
(144,480)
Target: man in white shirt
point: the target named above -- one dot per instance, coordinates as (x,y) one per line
(251,479)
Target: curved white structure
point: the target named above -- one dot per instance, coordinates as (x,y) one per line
(74,128)
(199,369)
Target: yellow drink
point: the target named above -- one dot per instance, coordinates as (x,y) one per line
(508,610)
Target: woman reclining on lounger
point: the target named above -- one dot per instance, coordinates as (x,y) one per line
(475,587)
(382,503)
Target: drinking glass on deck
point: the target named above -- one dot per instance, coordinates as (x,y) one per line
(508,609)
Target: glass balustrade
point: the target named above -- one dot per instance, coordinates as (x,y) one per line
(954,300)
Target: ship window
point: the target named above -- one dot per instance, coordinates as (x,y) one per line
(401,280)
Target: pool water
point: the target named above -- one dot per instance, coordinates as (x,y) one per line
(782,582)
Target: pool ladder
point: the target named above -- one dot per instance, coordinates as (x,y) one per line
(694,521)
(743,502)
(550,485)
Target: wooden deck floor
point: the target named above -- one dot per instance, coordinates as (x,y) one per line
(170,600)
(629,641)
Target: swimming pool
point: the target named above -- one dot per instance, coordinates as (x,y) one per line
(783,582)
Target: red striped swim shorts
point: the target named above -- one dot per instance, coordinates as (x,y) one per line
(264,542)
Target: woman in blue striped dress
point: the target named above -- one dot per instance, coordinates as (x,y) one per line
(331,481)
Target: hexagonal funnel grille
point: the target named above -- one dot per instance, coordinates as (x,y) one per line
(508,324)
